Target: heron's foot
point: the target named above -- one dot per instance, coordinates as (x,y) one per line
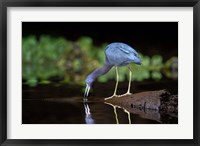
(128,93)
(110,97)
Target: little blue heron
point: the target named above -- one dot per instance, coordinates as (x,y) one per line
(116,54)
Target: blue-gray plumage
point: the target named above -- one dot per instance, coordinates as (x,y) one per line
(116,54)
(120,54)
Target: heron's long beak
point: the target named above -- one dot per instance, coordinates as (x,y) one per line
(87,90)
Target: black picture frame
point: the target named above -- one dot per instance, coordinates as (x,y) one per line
(4,4)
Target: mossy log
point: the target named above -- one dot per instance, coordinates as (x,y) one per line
(156,105)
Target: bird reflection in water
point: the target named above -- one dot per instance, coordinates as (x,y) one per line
(88,115)
(115,112)
(90,120)
(129,116)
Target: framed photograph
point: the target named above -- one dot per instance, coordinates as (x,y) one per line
(99,72)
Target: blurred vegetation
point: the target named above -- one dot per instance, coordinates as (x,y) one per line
(70,62)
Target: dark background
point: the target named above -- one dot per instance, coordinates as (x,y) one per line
(149,37)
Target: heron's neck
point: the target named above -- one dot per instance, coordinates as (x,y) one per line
(101,71)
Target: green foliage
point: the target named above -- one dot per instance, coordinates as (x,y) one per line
(40,57)
(156,75)
(47,57)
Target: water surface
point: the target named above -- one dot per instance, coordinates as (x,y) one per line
(47,104)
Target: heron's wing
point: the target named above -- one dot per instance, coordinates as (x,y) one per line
(123,49)
(120,46)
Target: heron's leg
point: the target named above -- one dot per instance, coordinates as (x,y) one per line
(117,79)
(129,84)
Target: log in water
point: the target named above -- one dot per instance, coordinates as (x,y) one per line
(157,105)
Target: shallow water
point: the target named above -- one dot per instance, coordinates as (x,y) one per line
(50,105)
(64,111)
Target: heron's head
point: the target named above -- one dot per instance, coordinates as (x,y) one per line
(89,81)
